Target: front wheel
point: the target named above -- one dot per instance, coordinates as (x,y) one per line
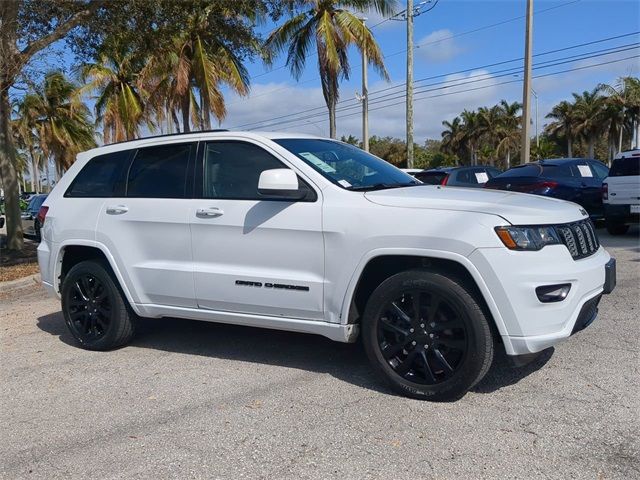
(427,336)
(94,309)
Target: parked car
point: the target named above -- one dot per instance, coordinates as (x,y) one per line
(621,193)
(578,180)
(307,234)
(473,177)
(30,221)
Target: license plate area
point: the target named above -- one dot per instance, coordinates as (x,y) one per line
(634,208)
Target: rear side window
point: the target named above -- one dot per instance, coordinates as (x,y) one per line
(625,167)
(560,171)
(102,176)
(160,172)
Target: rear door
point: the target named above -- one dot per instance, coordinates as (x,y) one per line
(146,227)
(253,255)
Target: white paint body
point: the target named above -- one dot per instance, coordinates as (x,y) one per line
(172,262)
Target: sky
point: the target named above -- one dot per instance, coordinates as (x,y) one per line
(465,36)
(467,54)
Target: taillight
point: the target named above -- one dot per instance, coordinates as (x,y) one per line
(445,180)
(42,214)
(605,191)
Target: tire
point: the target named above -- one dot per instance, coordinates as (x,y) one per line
(440,353)
(617,228)
(94,308)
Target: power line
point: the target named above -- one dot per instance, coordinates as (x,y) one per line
(270,124)
(375,93)
(468,32)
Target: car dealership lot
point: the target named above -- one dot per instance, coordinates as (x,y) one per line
(198,400)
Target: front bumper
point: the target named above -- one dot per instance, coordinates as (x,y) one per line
(530,326)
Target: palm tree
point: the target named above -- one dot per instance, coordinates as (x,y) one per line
(564,123)
(509,129)
(489,120)
(187,77)
(333,28)
(452,137)
(120,101)
(471,129)
(24,132)
(623,98)
(589,110)
(61,121)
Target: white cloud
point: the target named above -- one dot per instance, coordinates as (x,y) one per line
(433,104)
(438,46)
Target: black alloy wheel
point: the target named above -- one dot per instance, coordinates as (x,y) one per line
(427,335)
(94,308)
(89,308)
(422,337)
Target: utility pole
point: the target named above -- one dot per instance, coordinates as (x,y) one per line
(410,83)
(526,89)
(365,98)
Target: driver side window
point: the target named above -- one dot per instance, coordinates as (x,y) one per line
(232,170)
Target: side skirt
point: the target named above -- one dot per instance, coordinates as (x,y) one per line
(334,331)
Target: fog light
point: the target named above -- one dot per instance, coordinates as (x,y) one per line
(553,293)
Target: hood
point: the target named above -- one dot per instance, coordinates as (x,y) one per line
(516,208)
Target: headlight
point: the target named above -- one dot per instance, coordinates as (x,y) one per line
(527,238)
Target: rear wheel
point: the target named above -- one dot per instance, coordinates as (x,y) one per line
(615,228)
(427,336)
(94,309)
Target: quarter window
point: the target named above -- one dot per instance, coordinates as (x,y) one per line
(102,176)
(160,172)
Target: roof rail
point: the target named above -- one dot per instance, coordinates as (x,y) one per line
(168,135)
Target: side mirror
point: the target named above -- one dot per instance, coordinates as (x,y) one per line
(279,183)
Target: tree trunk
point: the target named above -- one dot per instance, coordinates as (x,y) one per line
(332,119)
(592,147)
(9,174)
(569,148)
(508,160)
(637,124)
(186,104)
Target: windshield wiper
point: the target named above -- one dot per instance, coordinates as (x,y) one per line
(381,186)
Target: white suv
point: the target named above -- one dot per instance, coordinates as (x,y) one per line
(307,234)
(621,193)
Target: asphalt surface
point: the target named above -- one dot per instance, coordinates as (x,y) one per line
(199,400)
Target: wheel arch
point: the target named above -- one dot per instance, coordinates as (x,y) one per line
(377,266)
(72,252)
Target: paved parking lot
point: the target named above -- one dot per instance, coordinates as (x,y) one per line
(198,400)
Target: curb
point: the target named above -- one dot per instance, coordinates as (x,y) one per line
(24,282)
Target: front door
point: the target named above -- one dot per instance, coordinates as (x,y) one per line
(252,255)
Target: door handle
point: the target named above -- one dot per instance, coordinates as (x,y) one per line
(209,212)
(117,209)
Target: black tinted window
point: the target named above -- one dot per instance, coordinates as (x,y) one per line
(524,171)
(160,172)
(431,178)
(623,167)
(232,170)
(102,176)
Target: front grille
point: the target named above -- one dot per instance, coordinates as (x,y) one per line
(580,238)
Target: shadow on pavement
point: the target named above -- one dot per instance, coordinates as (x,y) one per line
(346,362)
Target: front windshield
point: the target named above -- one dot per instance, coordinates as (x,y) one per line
(346,165)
